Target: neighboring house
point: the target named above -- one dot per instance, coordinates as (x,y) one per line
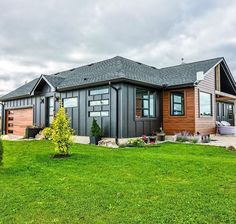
(127,98)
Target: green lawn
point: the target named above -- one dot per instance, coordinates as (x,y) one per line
(173,183)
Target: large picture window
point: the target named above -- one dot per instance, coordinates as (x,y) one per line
(177,103)
(145,103)
(205,100)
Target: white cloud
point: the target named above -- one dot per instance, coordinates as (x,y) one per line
(41,37)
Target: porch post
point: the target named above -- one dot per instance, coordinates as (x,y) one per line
(234,112)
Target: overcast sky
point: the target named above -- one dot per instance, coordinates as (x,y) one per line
(41,37)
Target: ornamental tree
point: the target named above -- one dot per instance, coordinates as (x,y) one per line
(61,132)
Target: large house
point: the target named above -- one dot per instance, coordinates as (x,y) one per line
(127,98)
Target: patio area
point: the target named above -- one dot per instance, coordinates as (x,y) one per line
(219,140)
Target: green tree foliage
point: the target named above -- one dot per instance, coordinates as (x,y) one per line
(61,132)
(1,152)
(95,129)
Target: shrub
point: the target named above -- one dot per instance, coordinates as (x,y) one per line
(61,132)
(1,152)
(186,137)
(231,148)
(95,129)
(47,133)
(135,142)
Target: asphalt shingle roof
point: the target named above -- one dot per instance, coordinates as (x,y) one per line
(120,68)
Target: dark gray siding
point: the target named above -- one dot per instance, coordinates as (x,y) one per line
(79,116)
(129,125)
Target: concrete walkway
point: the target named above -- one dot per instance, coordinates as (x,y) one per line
(221,140)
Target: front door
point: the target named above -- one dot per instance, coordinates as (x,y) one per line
(49,110)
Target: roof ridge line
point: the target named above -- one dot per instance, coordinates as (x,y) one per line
(193,62)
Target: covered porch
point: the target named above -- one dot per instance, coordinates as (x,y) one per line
(225,107)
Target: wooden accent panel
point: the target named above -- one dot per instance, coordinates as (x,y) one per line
(217,77)
(17,120)
(206,125)
(174,124)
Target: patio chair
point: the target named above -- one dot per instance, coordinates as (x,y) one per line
(224,128)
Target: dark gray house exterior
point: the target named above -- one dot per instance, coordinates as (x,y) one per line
(127,98)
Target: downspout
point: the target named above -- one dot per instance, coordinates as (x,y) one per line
(3,118)
(117,110)
(164,87)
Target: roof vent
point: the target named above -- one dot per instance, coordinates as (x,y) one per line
(200,75)
(56,73)
(139,63)
(91,64)
(153,67)
(72,69)
(85,79)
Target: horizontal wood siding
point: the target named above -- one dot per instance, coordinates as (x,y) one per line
(206,125)
(174,124)
(21,119)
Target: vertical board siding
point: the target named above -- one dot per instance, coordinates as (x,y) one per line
(174,124)
(206,125)
(132,127)
(79,117)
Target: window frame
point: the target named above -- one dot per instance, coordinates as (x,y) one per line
(150,93)
(95,94)
(172,93)
(100,113)
(199,104)
(101,104)
(68,98)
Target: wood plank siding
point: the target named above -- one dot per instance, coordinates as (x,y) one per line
(191,121)
(17,120)
(174,124)
(206,125)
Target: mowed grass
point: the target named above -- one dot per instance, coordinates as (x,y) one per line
(173,183)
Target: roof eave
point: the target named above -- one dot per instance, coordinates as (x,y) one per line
(107,81)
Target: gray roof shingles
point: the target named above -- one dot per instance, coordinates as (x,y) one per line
(119,68)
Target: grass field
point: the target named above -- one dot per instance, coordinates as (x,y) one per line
(173,183)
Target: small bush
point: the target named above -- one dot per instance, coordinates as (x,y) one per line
(95,129)
(61,132)
(186,137)
(47,133)
(231,148)
(136,142)
(1,153)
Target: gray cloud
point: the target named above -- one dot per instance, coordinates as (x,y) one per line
(52,35)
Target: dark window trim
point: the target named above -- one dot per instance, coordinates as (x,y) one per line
(89,103)
(99,112)
(183,103)
(154,106)
(89,92)
(199,104)
(70,98)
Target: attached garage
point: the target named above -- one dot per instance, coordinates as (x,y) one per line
(17,120)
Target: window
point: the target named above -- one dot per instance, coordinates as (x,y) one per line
(177,103)
(205,104)
(10,118)
(145,103)
(98,91)
(231,112)
(10,125)
(98,102)
(10,131)
(10,112)
(70,102)
(218,109)
(98,114)
(50,109)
